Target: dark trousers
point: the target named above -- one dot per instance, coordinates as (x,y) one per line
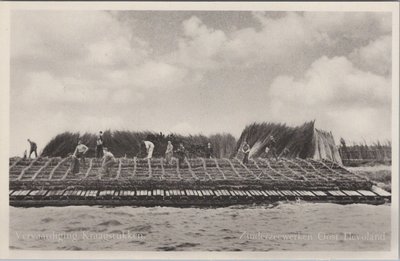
(75,165)
(99,151)
(181,160)
(246,158)
(33,151)
(108,165)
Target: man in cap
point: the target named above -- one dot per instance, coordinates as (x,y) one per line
(33,148)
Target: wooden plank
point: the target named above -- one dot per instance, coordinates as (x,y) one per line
(252,193)
(279,193)
(379,191)
(320,193)
(336,193)
(17,192)
(248,193)
(351,193)
(299,193)
(42,193)
(234,193)
(33,192)
(367,193)
(259,193)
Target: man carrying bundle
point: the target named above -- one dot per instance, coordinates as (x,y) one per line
(108,161)
(149,148)
(169,152)
(78,154)
(210,152)
(99,145)
(246,151)
(180,154)
(33,148)
(272,146)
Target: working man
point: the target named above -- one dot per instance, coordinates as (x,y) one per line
(272,145)
(99,145)
(79,154)
(108,161)
(209,152)
(149,148)
(169,153)
(246,151)
(33,148)
(181,154)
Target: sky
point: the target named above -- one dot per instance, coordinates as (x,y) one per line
(198,72)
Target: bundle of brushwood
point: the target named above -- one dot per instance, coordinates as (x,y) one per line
(130,143)
(304,141)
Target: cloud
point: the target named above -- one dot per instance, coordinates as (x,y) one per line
(78,57)
(376,56)
(338,95)
(279,40)
(200,45)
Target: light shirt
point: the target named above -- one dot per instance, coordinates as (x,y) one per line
(81,148)
(148,144)
(108,156)
(100,140)
(170,148)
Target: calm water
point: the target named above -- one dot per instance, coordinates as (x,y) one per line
(285,226)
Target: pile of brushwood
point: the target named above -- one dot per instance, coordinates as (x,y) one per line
(130,144)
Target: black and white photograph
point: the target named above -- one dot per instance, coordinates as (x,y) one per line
(203,130)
